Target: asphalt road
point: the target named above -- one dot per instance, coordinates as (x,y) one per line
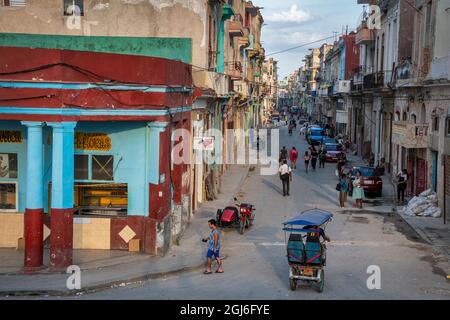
(256,265)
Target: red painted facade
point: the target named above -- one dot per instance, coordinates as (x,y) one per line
(86,67)
(351,56)
(61,238)
(76,67)
(33,232)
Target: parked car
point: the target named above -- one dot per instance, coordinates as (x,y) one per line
(295,110)
(371,181)
(334,150)
(316,136)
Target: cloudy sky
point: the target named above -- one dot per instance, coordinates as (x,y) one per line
(291,23)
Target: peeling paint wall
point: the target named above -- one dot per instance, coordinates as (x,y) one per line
(130,18)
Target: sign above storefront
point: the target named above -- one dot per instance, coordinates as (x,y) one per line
(7,136)
(92,141)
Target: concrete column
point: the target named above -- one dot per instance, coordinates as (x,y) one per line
(34,211)
(61,237)
(155,129)
(377,136)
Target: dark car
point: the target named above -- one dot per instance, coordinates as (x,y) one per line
(372,184)
(334,151)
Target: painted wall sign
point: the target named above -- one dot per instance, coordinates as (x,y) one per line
(204,143)
(92,141)
(7,136)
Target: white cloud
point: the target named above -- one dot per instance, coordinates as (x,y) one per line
(295,14)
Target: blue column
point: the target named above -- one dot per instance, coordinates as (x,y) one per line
(63,164)
(61,213)
(34,209)
(34,187)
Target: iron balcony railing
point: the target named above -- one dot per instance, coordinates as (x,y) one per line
(373,80)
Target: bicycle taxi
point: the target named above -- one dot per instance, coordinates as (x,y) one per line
(306,250)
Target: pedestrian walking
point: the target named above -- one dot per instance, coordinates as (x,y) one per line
(306,158)
(342,187)
(402,183)
(214,247)
(340,164)
(293,157)
(283,154)
(285,176)
(358,191)
(322,157)
(314,156)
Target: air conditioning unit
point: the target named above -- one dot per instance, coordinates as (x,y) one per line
(343,86)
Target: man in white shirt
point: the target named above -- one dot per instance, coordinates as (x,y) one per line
(285,176)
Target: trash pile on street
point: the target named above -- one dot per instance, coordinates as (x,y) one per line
(424,205)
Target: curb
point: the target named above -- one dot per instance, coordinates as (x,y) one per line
(100,287)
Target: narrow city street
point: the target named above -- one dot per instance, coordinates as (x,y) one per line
(256,265)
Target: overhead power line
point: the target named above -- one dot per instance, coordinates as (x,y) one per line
(299,46)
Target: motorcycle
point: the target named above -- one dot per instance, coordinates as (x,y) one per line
(241,214)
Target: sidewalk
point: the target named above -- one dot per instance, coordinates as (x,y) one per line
(121,268)
(431,230)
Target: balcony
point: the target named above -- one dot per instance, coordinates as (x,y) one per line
(364,35)
(212,80)
(410,135)
(235,70)
(242,88)
(356,86)
(373,80)
(235,28)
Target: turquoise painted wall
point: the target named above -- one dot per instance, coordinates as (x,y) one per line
(170,48)
(129,149)
(21,150)
(227,13)
(129,143)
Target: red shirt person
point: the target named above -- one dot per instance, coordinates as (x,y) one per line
(293,156)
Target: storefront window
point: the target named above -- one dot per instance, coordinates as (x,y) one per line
(8,166)
(102,167)
(81,167)
(8,196)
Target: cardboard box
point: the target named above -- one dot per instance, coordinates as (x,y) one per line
(20,244)
(134,245)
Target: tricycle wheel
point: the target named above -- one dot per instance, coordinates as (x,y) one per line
(242,226)
(293,284)
(320,285)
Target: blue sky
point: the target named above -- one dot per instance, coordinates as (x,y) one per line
(293,22)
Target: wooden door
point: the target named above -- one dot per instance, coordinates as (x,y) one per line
(421,181)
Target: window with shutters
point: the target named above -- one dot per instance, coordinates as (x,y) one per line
(14,3)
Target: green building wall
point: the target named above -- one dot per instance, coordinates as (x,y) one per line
(169,48)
